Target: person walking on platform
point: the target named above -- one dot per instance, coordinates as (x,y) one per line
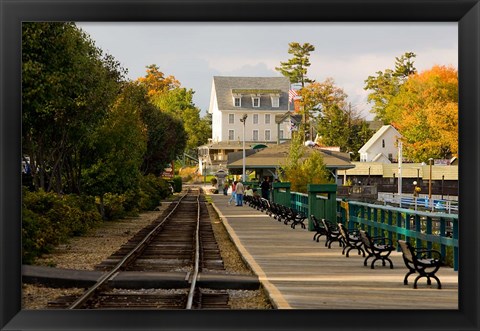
(265,186)
(239,193)
(234,193)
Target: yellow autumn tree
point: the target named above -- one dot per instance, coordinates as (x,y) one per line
(156,82)
(167,94)
(426,114)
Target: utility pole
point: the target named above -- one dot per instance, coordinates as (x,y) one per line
(243,120)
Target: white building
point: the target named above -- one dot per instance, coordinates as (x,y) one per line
(263,99)
(382,147)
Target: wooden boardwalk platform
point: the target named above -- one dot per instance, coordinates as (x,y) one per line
(299,273)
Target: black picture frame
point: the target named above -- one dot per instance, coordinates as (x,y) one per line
(465,12)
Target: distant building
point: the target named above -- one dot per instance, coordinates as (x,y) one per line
(382,146)
(269,120)
(262,99)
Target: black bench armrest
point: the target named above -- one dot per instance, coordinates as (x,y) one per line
(428,254)
(382,240)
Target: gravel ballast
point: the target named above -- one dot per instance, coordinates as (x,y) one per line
(83,253)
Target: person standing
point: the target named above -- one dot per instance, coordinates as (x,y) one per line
(265,186)
(233,197)
(239,190)
(416,189)
(249,191)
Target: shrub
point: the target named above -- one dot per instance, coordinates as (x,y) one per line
(113,206)
(131,204)
(39,235)
(152,190)
(49,219)
(177,184)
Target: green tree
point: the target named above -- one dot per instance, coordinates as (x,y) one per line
(385,85)
(178,103)
(296,67)
(320,97)
(117,148)
(360,133)
(167,95)
(67,86)
(166,140)
(317,100)
(166,135)
(337,122)
(404,65)
(304,166)
(343,127)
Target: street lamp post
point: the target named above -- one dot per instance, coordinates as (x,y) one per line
(243,120)
(430,162)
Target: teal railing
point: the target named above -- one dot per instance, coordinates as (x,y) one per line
(299,202)
(431,230)
(424,229)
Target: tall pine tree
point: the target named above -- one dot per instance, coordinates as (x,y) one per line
(296,67)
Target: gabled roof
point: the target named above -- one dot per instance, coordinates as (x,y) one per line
(380,157)
(294,117)
(377,136)
(266,86)
(276,156)
(234,144)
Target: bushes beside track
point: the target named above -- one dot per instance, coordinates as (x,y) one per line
(177,184)
(49,219)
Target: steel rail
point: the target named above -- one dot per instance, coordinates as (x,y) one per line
(193,284)
(91,291)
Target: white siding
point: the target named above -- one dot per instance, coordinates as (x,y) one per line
(385,144)
(221,125)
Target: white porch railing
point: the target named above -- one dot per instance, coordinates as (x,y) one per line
(419,203)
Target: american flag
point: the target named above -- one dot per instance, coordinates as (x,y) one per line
(293,126)
(291,94)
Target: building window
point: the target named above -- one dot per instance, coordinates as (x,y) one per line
(237,101)
(281,134)
(256,102)
(255,118)
(231,134)
(390,156)
(231,118)
(275,102)
(383,143)
(255,135)
(267,118)
(267,135)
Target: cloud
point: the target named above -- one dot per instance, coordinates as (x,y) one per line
(347,52)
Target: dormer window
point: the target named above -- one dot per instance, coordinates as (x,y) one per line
(275,101)
(256,102)
(237,101)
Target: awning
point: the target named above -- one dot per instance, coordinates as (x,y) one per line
(259,146)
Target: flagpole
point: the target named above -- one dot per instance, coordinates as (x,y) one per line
(288,109)
(289,88)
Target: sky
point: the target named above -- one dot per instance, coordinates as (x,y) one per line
(347,52)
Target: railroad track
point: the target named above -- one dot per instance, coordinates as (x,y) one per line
(182,240)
